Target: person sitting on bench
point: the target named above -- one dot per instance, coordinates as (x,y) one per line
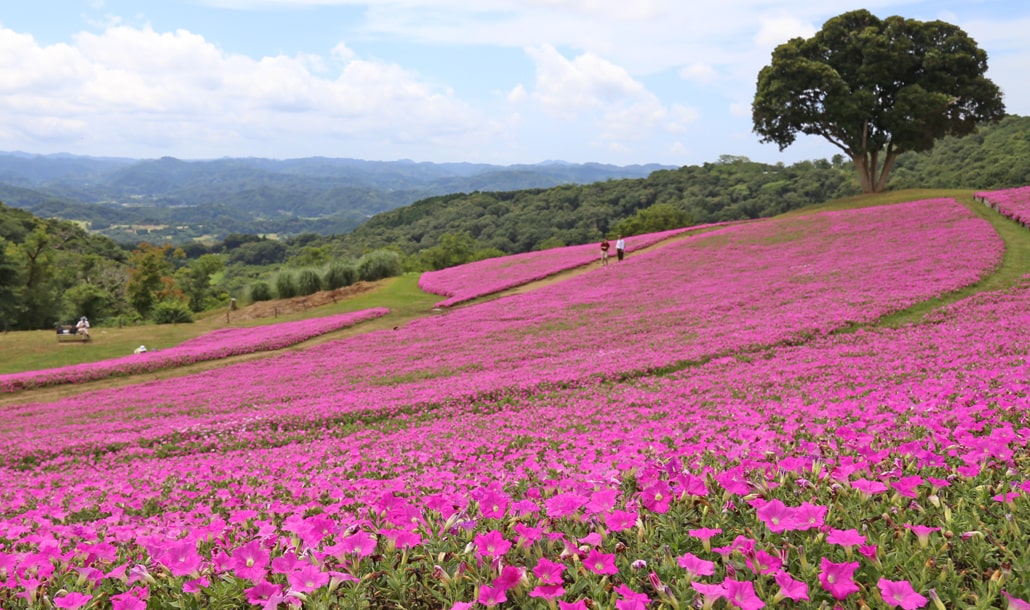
(82,328)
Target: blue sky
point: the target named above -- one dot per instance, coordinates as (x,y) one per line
(495,81)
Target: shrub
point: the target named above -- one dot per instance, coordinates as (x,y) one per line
(260,291)
(308,282)
(172,312)
(285,286)
(339,275)
(379,264)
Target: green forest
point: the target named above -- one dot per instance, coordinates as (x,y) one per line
(52,271)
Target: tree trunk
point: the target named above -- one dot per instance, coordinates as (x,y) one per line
(865,177)
(871,180)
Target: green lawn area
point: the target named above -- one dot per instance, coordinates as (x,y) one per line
(33,350)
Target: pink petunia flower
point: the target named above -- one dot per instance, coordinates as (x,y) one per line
(549,572)
(900,594)
(619,520)
(838,578)
(491,544)
(845,538)
(695,566)
(491,596)
(250,561)
(796,590)
(360,543)
(777,516)
(922,533)
(742,594)
(1014,603)
(600,563)
(308,578)
(263,593)
(72,600)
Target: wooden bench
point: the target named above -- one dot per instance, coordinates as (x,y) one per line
(68,333)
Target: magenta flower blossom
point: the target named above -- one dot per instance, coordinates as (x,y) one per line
(900,594)
(527,535)
(548,592)
(402,539)
(619,520)
(308,578)
(709,592)
(181,557)
(549,572)
(906,486)
(656,497)
(195,585)
(845,538)
(922,533)
(695,566)
(795,590)
(869,488)
(72,600)
(509,577)
(1014,603)
(491,544)
(763,562)
(133,599)
(838,578)
(742,594)
(360,543)
(777,517)
(493,503)
(264,593)
(564,504)
(811,516)
(250,561)
(579,604)
(127,601)
(631,600)
(600,563)
(491,596)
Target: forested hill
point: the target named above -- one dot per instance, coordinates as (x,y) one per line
(730,189)
(998,156)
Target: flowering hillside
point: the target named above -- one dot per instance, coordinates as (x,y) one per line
(1011,203)
(678,429)
(471,280)
(214,345)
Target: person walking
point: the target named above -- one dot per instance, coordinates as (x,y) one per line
(604,251)
(620,248)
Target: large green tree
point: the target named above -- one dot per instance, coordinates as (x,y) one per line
(876,88)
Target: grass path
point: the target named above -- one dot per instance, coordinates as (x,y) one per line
(407,302)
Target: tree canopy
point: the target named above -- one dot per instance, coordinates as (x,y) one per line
(875,89)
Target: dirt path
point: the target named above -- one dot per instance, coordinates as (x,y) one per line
(267,309)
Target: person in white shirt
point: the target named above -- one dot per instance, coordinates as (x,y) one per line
(620,248)
(82,327)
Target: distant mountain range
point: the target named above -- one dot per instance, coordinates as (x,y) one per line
(177,200)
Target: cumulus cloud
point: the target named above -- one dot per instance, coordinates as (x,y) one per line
(126,83)
(591,89)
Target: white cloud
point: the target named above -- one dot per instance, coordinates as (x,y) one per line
(567,86)
(774,31)
(177,90)
(699,71)
(593,91)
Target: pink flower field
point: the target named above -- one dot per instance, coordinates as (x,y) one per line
(472,280)
(1011,203)
(685,429)
(214,345)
